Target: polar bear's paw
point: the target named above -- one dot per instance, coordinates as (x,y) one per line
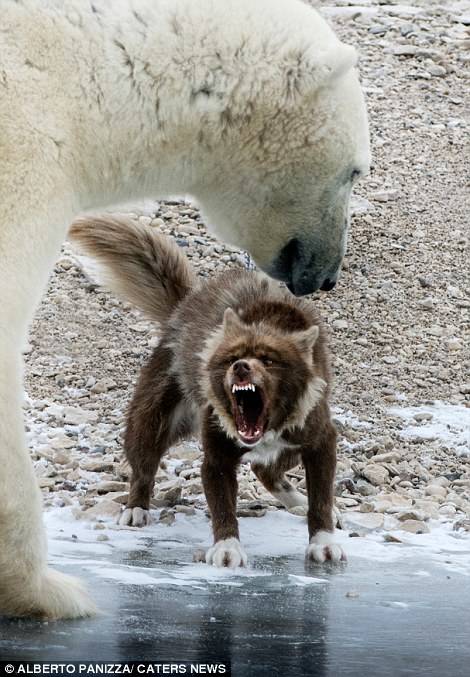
(322,548)
(134,517)
(52,596)
(63,596)
(227,553)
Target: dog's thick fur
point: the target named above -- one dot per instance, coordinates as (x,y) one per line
(241,358)
(252,107)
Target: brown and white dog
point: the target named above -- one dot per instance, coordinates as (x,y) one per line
(240,358)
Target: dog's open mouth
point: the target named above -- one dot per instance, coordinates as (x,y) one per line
(249,411)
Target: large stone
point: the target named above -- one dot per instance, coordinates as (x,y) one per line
(368,521)
(97,466)
(375,474)
(415,526)
(104,509)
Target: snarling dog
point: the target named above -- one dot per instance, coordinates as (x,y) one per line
(252,108)
(240,358)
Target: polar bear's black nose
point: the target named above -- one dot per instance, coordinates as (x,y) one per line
(304,269)
(328,284)
(299,268)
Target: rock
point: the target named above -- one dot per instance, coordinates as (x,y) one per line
(382,506)
(387,457)
(185,509)
(108,486)
(375,474)
(168,498)
(359,205)
(447,511)
(249,512)
(379,29)
(299,510)
(104,509)
(389,538)
(97,466)
(436,70)
(463,524)
(352,594)
(103,385)
(365,521)
(193,487)
(102,537)
(365,488)
(427,303)
(453,344)
(423,416)
(199,555)
(77,416)
(60,458)
(385,195)
(342,325)
(415,526)
(416,515)
(46,482)
(463,19)
(407,29)
(436,490)
(251,508)
(166,517)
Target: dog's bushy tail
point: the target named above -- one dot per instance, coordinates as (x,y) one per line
(140,265)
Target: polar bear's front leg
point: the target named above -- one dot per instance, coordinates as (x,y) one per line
(27,586)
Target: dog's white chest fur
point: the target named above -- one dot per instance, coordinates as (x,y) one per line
(267,451)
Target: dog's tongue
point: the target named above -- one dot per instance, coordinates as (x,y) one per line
(250,433)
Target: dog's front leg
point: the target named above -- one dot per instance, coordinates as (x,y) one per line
(27,252)
(319,460)
(219,477)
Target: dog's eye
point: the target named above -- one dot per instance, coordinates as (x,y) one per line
(232,359)
(267,361)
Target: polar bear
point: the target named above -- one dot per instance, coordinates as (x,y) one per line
(253,107)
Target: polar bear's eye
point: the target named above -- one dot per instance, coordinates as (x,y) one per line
(355,174)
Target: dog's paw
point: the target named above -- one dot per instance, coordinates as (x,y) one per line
(227,553)
(134,517)
(322,548)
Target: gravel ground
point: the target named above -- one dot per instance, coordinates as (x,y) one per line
(399,318)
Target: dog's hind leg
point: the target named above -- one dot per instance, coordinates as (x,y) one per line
(158,417)
(29,243)
(272,476)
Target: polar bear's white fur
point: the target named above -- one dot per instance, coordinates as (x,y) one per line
(251,106)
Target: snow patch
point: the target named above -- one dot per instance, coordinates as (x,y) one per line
(449,423)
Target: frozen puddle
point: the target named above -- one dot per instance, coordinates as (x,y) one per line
(395,609)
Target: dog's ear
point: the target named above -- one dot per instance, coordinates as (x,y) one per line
(305,340)
(232,323)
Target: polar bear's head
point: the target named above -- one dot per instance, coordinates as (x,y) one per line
(293,140)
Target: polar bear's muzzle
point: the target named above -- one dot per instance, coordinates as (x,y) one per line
(302,270)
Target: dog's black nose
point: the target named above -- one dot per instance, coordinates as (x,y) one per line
(241,369)
(328,285)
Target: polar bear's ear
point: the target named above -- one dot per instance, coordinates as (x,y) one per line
(319,69)
(339,60)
